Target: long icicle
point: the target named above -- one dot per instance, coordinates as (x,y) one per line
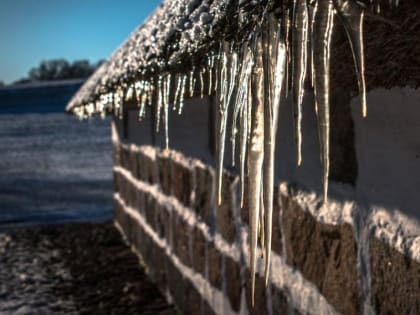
(277,68)
(321,41)
(255,156)
(300,58)
(351,15)
(222,117)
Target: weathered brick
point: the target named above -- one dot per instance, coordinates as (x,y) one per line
(164,171)
(395,280)
(233,283)
(260,305)
(330,259)
(276,240)
(182,180)
(147,165)
(150,210)
(203,205)
(214,266)
(279,302)
(162,221)
(181,232)
(225,213)
(199,250)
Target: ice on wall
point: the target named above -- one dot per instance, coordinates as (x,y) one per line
(249,54)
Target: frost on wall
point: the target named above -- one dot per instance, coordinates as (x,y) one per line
(249,54)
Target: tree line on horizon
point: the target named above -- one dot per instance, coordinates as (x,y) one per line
(59,69)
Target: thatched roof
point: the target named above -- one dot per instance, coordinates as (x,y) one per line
(180,33)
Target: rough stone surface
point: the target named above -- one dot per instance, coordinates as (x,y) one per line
(164,171)
(260,306)
(325,255)
(214,266)
(233,283)
(395,280)
(182,181)
(225,213)
(203,193)
(199,250)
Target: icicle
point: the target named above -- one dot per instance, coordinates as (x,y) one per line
(160,101)
(182,93)
(352,14)
(255,156)
(275,63)
(210,67)
(177,91)
(323,27)
(223,105)
(192,82)
(201,83)
(167,86)
(300,58)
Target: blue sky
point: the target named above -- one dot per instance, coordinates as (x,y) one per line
(35,30)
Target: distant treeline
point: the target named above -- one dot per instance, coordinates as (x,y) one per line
(60,69)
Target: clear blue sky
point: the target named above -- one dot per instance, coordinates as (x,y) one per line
(35,30)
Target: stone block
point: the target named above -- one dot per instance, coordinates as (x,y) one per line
(260,306)
(226,211)
(395,280)
(164,172)
(182,179)
(214,265)
(233,283)
(199,249)
(203,203)
(330,256)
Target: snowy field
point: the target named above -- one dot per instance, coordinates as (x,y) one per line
(54,168)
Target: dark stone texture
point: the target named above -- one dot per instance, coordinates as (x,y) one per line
(214,266)
(260,306)
(164,171)
(147,167)
(192,300)
(204,177)
(182,181)
(225,213)
(176,283)
(199,250)
(279,302)
(326,255)
(181,232)
(245,207)
(233,283)
(150,208)
(276,241)
(395,280)
(162,221)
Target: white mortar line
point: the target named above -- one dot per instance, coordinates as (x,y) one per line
(282,276)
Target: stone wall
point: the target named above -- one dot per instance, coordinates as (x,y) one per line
(197,252)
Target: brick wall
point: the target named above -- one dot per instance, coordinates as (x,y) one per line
(197,252)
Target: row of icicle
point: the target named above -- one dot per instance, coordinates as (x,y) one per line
(250,82)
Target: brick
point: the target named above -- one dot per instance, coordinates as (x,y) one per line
(147,165)
(181,232)
(203,205)
(395,280)
(260,306)
(225,214)
(182,180)
(164,172)
(330,259)
(199,250)
(233,283)
(214,266)
(276,240)
(279,302)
